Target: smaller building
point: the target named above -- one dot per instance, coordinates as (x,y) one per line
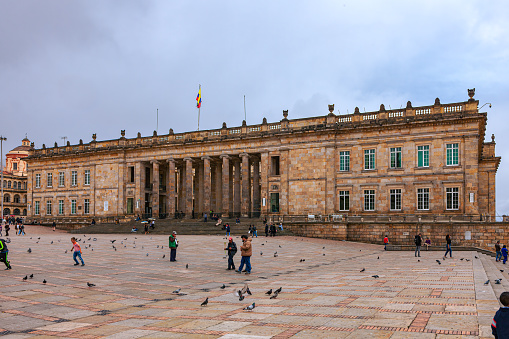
(15,180)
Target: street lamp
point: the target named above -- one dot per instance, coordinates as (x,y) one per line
(2,139)
(488,103)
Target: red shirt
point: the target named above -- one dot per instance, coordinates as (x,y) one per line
(386,240)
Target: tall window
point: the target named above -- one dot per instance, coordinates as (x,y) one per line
(61,179)
(130,205)
(37,180)
(344,200)
(423,198)
(60,207)
(48,207)
(452,154)
(130,171)
(15,166)
(37,207)
(87,177)
(423,156)
(396,199)
(395,157)
(73,206)
(369,159)
(74,178)
(87,206)
(452,198)
(8,184)
(344,161)
(369,200)
(275,165)
(50,180)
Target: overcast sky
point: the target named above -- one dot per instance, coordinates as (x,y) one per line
(74,68)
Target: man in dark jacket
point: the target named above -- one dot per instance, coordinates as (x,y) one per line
(3,254)
(500,323)
(418,243)
(232,250)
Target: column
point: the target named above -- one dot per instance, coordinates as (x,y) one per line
(198,189)
(170,194)
(264,162)
(207,183)
(155,189)
(181,189)
(256,187)
(236,188)
(219,188)
(230,186)
(246,186)
(188,188)
(122,201)
(225,185)
(139,190)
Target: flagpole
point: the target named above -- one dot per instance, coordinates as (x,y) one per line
(245,116)
(199,90)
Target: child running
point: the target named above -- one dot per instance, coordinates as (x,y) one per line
(77,252)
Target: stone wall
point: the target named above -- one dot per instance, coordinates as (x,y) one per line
(482,234)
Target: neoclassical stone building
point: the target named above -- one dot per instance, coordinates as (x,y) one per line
(416,160)
(15,180)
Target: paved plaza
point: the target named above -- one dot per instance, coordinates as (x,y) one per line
(325,296)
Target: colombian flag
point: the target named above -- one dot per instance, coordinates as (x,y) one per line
(198,98)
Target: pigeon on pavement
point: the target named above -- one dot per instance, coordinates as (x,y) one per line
(250,307)
(90,284)
(269,292)
(363,270)
(438,261)
(487,282)
(176,291)
(223,287)
(205,302)
(29,250)
(375,276)
(25,278)
(44,281)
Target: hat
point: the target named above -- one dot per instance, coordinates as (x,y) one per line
(230,238)
(174,232)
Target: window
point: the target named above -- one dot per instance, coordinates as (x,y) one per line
(274,202)
(452,198)
(61,179)
(16,199)
(452,154)
(130,171)
(396,199)
(48,207)
(423,156)
(423,198)
(344,161)
(130,205)
(369,200)
(87,177)
(38,180)
(344,200)
(60,207)
(19,185)
(8,184)
(275,165)
(7,198)
(396,157)
(73,206)
(74,178)
(14,166)
(369,159)
(87,206)
(37,207)
(50,180)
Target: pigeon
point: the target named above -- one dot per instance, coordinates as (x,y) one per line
(241,297)
(438,261)
(29,250)
(418,260)
(462,258)
(280,246)
(275,254)
(501,270)
(487,282)
(250,307)
(187,266)
(205,302)
(125,239)
(164,256)
(39,238)
(177,290)
(275,295)
(497,281)
(323,248)
(467,259)
(147,254)
(375,276)
(263,244)
(25,278)
(89,239)
(31,276)
(363,270)
(248,291)
(112,241)
(476,257)
(378,258)
(324,254)
(157,246)
(65,251)
(261,253)
(223,287)
(278,290)
(95,239)
(90,285)
(51,242)
(269,292)
(44,281)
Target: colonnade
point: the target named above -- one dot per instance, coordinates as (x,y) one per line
(226,184)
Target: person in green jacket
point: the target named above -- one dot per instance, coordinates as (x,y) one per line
(173,244)
(3,254)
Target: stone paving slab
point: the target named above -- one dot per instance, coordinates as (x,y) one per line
(322,297)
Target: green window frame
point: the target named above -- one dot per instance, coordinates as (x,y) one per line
(60,207)
(452,151)
(395,157)
(344,200)
(423,156)
(369,200)
(396,199)
(344,161)
(452,198)
(369,159)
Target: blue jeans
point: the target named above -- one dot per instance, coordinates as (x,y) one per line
(173,254)
(255,233)
(227,233)
(247,262)
(77,254)
(499,256)
(231,264)
(448,250)
(505,258)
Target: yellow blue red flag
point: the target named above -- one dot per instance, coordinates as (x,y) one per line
(198,98)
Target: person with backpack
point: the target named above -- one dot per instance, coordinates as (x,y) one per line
(3,254)
(418,243)
(232,250)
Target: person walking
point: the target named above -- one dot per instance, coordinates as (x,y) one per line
(227,227)
(266,230)
(3,254)
(246,250)
(7,229)
(386,241)
(418,243)
(504,254)
(77,252)
(499,251)
(232,250)
(255,232)
(173,244)
(448,246)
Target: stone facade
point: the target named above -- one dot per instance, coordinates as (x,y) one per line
(15,180)
(423,160)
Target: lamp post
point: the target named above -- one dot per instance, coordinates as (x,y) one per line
(2,139)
